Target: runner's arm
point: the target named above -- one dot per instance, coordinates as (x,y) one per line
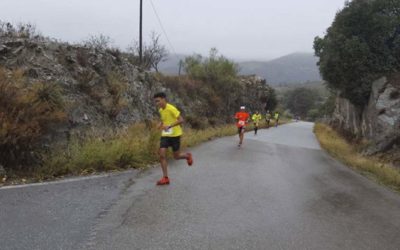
(178,122)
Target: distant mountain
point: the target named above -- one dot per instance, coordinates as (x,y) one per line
(289,69)
(293,68)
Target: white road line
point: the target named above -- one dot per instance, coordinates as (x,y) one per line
(75,179)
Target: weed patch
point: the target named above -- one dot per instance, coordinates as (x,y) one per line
(339,148)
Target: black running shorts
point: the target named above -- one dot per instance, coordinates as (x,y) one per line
(173,142)
(240,129)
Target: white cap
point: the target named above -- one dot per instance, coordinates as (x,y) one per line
(242,107)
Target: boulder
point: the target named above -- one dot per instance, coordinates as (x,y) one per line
(378,122)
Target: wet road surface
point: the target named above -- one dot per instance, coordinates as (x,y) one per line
(279,191)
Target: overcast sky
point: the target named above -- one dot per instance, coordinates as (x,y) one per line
(245,29)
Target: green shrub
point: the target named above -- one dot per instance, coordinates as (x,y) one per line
(117,86)
(300,100)
(26,114)
(195,122)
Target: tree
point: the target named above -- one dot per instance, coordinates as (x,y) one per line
(220,75)
(215,68)
(362,44)
(300,100)
(193,66)
(101,42)
(153,53)
(269,99)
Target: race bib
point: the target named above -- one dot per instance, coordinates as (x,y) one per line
(167,132)
(242,123)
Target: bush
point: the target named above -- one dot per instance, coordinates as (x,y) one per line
(195,122)
(21,30)
(100,42)
(219,76)
(153,53)
(117,86)
(26,113)
(216,68)
(313,114)
(300,100)
(82,57)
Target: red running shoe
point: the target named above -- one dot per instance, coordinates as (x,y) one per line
(163,181)
(189,159)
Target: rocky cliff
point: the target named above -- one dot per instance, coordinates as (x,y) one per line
(102,89)
(379,121)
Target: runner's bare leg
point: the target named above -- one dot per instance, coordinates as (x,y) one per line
(180,156)
(163,161)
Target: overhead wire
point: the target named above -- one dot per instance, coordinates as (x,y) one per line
(162,27)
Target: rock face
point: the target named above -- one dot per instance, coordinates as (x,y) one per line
(101,88)
(379,121)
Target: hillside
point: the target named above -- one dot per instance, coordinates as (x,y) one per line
(290,69)
(293,68)
(54,94)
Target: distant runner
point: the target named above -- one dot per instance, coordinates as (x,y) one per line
(268,117)
(242,118)
(170,126)
(256,120)
(276,117)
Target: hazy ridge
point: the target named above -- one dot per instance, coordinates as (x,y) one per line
(292,68)
(289,69)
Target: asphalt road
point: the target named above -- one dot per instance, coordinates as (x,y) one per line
(279,191)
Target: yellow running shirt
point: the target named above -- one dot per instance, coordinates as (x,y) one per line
(256,118)
(170,115)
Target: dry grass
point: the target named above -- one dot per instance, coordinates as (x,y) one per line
(136,147)
(338,147)
(27,112)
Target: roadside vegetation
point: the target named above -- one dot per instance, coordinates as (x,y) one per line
(362,45)
(348,153)
(45,134)
(135,147)
(215,76)
(27,111)
(308,101)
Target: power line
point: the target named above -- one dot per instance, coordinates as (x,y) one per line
(162,27)
(141,33)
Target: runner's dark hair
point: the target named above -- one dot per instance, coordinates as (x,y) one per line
(160,95)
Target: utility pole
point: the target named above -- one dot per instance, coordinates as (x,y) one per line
(141,33)
(180,66)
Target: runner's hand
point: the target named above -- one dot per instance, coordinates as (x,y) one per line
(163,127)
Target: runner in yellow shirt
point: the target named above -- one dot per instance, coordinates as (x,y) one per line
(268,117)
(256,120)
(276,117)
(171,132)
